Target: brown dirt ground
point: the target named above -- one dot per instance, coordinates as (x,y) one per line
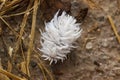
(98,54)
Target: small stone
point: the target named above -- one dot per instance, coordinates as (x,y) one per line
(111,38)
(104,43)
(89,45)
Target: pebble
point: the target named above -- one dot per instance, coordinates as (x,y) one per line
(104,43)
(89,45)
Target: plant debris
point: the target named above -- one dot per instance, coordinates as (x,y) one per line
(95,58)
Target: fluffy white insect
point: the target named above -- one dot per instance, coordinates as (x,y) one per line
(60,34)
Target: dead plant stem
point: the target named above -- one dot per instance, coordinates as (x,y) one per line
(31,36)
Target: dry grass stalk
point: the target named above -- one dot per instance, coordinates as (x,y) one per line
(42,66)
(9,6)
(20,13)
(14,77)
(23,67)
(23,24)
(114,28)
(10,52)
(21,31)
(17,14)
(3,77)
(1,64)
(2,3)
(16,34)
(48,72)
(32,35)
(9,67)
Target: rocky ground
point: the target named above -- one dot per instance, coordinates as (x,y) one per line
(97,56)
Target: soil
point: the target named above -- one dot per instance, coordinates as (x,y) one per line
(97,56)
